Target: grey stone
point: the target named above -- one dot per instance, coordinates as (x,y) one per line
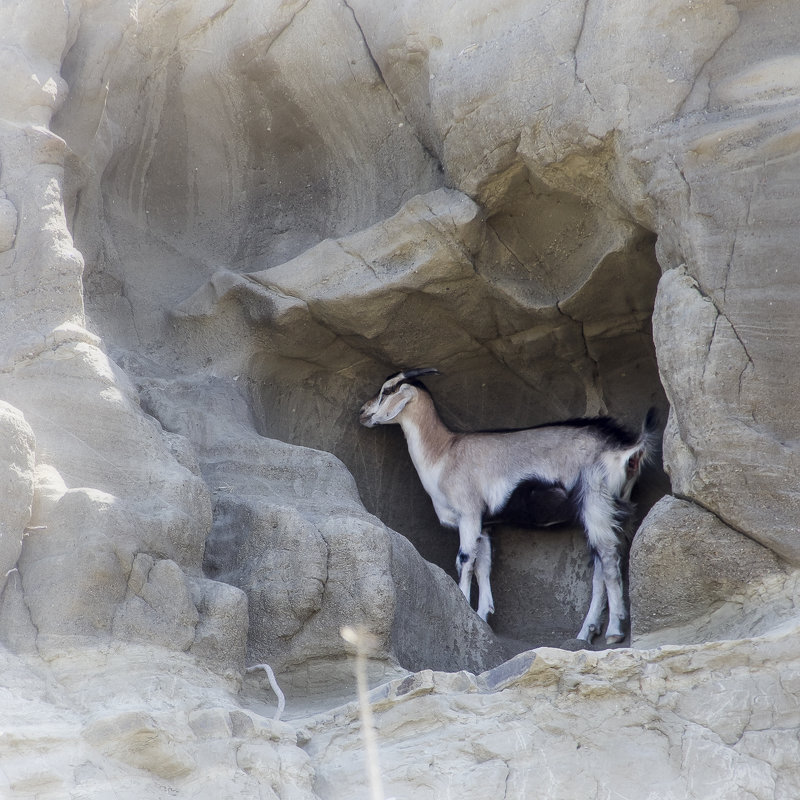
(241,205)
(8,224)
(694,579)
(290,532)
(158,606)
(17,459)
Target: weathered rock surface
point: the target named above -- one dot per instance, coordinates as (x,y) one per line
(695,580)
(134,721)
(290,531)
(670,723)
(223,222)
(17,480)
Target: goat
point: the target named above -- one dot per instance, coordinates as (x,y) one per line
(581,470)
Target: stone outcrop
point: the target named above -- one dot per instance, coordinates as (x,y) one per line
(674,722)
(290,531)
(223,222)
(694,580)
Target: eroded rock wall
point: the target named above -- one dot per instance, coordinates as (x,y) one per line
(126,495)
(222,223)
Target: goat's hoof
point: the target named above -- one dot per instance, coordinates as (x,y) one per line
(589,634)
(615,638)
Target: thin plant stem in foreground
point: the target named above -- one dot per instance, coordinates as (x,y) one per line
(363,643)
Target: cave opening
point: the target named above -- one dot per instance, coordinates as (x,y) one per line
(547,318)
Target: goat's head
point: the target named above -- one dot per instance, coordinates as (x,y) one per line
(397,391)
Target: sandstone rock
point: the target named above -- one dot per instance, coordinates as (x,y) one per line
(138,721)
(8,224)
(250,194)
(84,540)
(744,454)
(558,723)
(220,636)
(136,739)
(695,579)
(158,606)
(17,457)
(290,532)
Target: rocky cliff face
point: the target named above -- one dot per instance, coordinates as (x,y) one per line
(222,223)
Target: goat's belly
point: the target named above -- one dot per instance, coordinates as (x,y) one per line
(536,503)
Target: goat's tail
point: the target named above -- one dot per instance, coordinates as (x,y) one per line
(633,458)
(642,451)
(649,439)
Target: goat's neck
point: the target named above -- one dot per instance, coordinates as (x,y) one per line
(428,438)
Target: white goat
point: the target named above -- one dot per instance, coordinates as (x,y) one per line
(580,470)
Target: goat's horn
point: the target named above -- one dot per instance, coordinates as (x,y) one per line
(408,374)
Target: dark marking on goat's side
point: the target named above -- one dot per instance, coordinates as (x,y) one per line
(462,556)
(614,433)
(536,503)
(609,428)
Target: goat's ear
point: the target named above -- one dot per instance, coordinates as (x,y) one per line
(399,401)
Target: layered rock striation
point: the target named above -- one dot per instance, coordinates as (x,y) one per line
(222,223)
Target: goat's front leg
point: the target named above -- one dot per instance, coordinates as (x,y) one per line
(469,532)
(483,570)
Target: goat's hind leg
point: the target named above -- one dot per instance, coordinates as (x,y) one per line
(594,618)
(600,514)
(617,615)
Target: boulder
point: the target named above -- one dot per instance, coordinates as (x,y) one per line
(695,579)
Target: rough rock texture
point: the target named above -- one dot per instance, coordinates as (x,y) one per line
(670,723)
(134,721)
(694,580)
(17,462)
(290,531)
(223,222)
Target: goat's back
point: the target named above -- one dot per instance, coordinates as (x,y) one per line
(557,452)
